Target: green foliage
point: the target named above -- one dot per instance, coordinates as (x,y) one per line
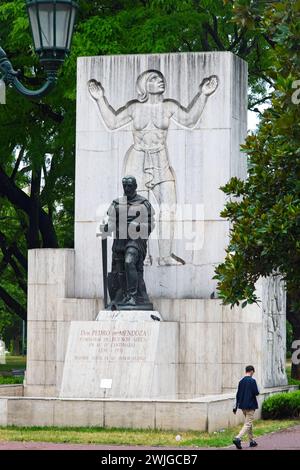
(265,209)
(14,283)
(158,26)
(37,143)
(282,406)
(11,380)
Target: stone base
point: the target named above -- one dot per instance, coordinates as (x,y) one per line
(214,344)
(124,354)
(12,390)
(208,413)
(130,316)
(115,306)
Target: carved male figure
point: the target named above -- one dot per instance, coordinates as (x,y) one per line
(148,158)
(130,220)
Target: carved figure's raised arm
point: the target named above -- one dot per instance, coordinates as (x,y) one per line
(189,117)
(114,119)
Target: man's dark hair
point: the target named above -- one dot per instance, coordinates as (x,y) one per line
(129,179)
(249,369)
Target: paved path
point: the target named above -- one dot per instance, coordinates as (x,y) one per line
(287,439)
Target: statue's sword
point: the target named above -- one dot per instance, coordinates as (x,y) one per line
(104,269)
(101,233)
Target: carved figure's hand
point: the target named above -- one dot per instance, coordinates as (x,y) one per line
(96,89)
(209,85)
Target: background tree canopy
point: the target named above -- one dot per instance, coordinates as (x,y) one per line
(265,209)
(38,138)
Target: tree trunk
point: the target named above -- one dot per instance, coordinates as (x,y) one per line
(39,222)
(17,345)
(22,201)
(47,231)
(12,304)
(293,316)
(33,231)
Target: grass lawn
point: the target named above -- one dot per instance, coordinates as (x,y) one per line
(137,437)
(12,362)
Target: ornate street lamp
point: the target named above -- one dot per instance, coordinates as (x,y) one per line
(52,24)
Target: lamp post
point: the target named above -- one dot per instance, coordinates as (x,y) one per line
(52,24)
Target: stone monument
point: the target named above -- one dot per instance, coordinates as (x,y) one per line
(175,122)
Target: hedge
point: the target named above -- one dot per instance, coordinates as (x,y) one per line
(282,405)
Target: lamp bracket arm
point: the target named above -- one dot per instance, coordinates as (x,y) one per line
(10,77)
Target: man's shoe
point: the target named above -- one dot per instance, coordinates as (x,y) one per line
(237,442)
(253,444)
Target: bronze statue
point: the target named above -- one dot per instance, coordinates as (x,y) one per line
(130,222)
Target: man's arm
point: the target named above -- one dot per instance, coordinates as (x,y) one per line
(255,388)
(237,398)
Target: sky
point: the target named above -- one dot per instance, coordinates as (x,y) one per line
(253,119)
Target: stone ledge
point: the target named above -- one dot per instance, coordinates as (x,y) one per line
(12,390)
(209,413)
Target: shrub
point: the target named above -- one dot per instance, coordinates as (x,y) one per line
(11,380)
(282,405)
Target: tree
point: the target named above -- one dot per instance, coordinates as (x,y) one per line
(36,166)
(265,209)
(38,138)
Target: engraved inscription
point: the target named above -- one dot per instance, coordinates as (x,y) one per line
(113,345)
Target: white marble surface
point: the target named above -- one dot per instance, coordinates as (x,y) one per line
(128,315)
(208,413)
(203,159)
(123,351)
(203,346)
(274,343)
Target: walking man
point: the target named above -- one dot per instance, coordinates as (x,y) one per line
(247,402)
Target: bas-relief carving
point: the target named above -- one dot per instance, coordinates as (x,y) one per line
(147,159)
(274,308)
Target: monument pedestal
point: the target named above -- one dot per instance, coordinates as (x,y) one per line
(212,344)
(124,354)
